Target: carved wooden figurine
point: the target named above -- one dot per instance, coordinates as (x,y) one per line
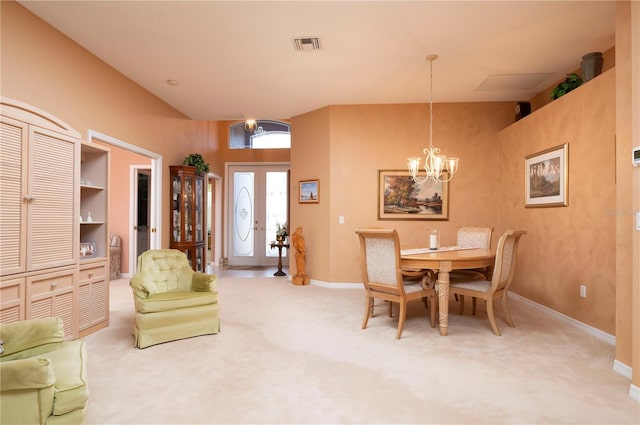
(300,278)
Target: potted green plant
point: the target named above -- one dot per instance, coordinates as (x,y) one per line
(572,81)
(196,160)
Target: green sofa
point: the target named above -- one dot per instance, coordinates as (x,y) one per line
(171,300)
(43,379)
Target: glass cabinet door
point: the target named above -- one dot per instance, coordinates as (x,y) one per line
(176,219)
(199,201)
(188,209)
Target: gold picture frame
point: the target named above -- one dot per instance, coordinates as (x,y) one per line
(400,198)
(309,192)
(546,178)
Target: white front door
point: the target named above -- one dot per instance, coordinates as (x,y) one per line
(258,201)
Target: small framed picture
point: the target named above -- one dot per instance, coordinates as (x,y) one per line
(546,178)
(309,192)
(87,250)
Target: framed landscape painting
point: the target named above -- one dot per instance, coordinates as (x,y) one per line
(546,179)
(400,198)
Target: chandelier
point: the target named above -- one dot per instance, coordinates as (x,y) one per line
(438,167)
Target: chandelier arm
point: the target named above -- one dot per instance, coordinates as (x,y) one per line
(448,179)
(418,180)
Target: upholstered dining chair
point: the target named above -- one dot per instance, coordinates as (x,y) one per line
(473,237)
(383,278)
(496,288)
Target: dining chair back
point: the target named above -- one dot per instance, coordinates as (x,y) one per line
(473,237)
(503,272)
(383,278)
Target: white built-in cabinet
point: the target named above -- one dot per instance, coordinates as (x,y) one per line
(93,281)
(40,230)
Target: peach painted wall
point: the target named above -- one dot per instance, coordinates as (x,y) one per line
(627,197)
(366,138)
(120,197)
(310,159)
(574,245)
(634,23)
(44,68)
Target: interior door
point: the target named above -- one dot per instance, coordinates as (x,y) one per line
(141,213)
(258,201)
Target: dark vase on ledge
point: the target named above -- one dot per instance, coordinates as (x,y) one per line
(591,65)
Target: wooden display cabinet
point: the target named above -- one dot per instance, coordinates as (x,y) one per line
(188,219)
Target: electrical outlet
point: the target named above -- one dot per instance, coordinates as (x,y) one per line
(583,291)
(341,219)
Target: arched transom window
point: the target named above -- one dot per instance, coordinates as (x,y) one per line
(265,134)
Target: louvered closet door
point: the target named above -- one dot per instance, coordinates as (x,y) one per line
(13,144)
(51,236)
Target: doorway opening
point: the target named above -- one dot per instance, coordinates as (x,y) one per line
(141,177)
(257,197)
(154,195)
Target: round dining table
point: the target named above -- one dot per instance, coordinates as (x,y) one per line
(443,261)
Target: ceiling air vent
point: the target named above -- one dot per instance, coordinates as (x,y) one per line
(306,43)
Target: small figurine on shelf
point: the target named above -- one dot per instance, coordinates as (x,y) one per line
(282,231)
(89,219)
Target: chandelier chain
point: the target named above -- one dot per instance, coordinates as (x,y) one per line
(431,103)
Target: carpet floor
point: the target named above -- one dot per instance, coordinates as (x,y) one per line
(296,355)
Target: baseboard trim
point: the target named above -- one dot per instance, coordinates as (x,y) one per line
(622,369)
(634,392)
(336,285)
(601,335)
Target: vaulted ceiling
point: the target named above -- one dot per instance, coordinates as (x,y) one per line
(216,60)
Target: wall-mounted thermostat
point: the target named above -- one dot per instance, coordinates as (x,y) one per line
(636,156)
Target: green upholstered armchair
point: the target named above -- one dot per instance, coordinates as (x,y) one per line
(42,377)
(171,300)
